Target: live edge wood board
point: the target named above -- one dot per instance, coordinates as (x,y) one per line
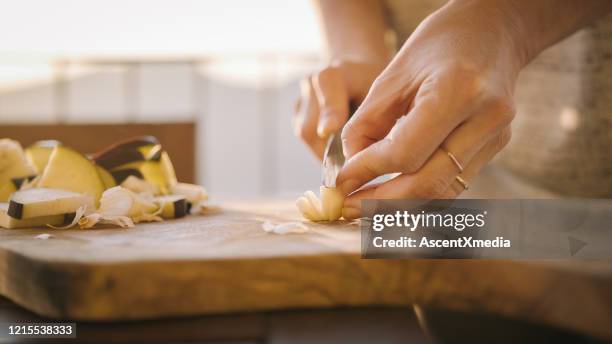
(226,263)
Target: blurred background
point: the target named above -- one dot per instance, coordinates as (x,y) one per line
(215,80)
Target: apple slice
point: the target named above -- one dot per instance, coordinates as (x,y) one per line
(9,222)
(70,170)
(39,152)
(172,206)
(25,204)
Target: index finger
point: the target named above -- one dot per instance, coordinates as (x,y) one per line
(412,140)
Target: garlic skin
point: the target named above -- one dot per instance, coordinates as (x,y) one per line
(119,201)
(193,193)
(284,228)
(118,206)
(327,208)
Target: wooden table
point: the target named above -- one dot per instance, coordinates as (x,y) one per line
(226,263)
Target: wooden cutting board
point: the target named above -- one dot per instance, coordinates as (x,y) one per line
(226,263)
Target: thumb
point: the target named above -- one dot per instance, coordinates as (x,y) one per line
(333,98)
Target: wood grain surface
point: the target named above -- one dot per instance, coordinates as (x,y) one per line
(226,263)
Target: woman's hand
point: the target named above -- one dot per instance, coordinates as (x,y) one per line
(449,89)
(323,107)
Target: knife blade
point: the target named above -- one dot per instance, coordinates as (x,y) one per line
(333,160)
(333,156)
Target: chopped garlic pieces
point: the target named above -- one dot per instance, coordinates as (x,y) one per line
(327,208)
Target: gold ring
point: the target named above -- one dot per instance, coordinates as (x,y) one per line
(454,159)
(462,182)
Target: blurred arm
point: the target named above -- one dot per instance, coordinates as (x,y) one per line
(354,29)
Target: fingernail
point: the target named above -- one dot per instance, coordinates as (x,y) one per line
(327,124)
(350,213)
(322,127)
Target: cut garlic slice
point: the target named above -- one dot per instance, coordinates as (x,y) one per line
(327,208)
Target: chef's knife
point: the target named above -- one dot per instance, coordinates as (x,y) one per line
(333,157)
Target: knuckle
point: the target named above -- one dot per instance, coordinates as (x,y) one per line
(503,108)
(403,160)
(466,75)
(348,132)
(326,74)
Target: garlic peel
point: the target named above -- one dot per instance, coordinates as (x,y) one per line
(93,219)
(284,228)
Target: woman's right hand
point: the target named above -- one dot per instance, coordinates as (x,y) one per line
(325,97)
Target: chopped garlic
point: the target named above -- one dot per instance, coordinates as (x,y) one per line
(328,208)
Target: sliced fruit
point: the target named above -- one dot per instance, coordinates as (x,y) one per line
(192,192)
(172,206)
(9,222)
(7,189)
(39,152)
(160,173)
(70,170)
(151,171)
(121,175)
(25,204)
(13,164)
(107,178)
(168,169)
(132,150)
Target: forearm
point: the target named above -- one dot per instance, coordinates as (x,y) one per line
(542,23)
(354,29)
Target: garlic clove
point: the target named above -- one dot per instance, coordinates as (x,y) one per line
(306,209)
(328,208)
(332,201)
(315,204)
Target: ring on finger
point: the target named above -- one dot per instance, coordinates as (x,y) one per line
(454,159)
(462,182)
